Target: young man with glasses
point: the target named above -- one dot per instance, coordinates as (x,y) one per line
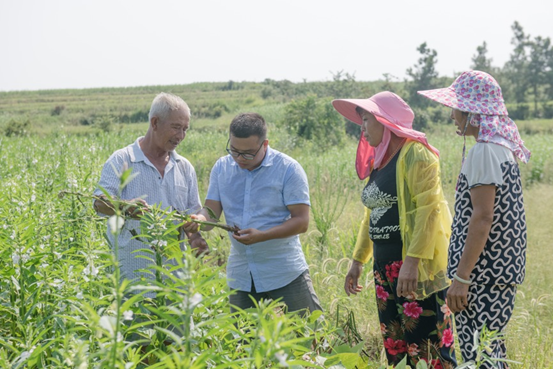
(265,193)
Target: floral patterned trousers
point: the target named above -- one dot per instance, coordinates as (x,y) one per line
(419,329)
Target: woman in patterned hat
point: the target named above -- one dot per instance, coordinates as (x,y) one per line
(405,231)
(487,251)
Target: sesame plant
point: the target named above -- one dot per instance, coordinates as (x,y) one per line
(64,303)
(482,347)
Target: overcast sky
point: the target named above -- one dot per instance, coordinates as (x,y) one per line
(113,43)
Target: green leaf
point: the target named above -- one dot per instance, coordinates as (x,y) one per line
(348,360)
(126,177)
(402,364)
(315,315)
(345,348)
(211,213)
(332,360)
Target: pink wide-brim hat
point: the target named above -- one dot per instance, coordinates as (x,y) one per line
(472,92)
(388,108)
(392,112)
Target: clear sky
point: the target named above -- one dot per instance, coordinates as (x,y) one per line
(51,44)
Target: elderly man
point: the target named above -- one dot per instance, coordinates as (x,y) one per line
(265,193)
(163,177)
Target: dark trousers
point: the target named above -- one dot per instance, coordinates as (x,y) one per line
(298,295)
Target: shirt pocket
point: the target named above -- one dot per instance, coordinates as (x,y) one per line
(181,198)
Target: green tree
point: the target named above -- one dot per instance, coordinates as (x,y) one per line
(343,85)
(388,86)
(480,61)
(549,74)
(517,66)
(423,75)
(538,67)
(17,127)
(315,119)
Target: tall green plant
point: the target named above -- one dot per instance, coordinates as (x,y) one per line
(328,201)
(314,119)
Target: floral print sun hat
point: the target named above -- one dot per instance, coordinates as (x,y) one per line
(472,92)
(479,94)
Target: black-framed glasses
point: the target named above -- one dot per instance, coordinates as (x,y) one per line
(247,156)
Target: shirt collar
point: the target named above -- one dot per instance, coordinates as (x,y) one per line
(137,155)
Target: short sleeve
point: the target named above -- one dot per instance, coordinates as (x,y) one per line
(296,187)
(213,188)
(109,179)
(483,165)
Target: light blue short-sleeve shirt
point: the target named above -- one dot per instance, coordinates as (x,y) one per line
(176,190)
(259,199)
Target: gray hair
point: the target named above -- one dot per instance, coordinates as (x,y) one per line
(164,103)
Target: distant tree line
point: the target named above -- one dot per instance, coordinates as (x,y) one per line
(526,81)
(526,77)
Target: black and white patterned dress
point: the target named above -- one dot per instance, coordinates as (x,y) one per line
(501,266)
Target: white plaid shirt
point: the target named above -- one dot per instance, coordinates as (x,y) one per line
(177,189)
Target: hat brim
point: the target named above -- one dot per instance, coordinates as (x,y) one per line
(448,97)
(346,107)
(445,96)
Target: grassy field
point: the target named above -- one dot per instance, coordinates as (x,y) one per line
(62,307)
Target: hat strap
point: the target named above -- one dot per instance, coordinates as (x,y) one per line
(469,118)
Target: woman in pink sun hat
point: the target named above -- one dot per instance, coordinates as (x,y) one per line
(487,250)
(405,231)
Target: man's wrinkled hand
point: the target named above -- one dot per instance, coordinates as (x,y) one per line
(136,209)
(193,227)
(199,245)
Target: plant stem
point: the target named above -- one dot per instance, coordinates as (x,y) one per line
(175,214)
